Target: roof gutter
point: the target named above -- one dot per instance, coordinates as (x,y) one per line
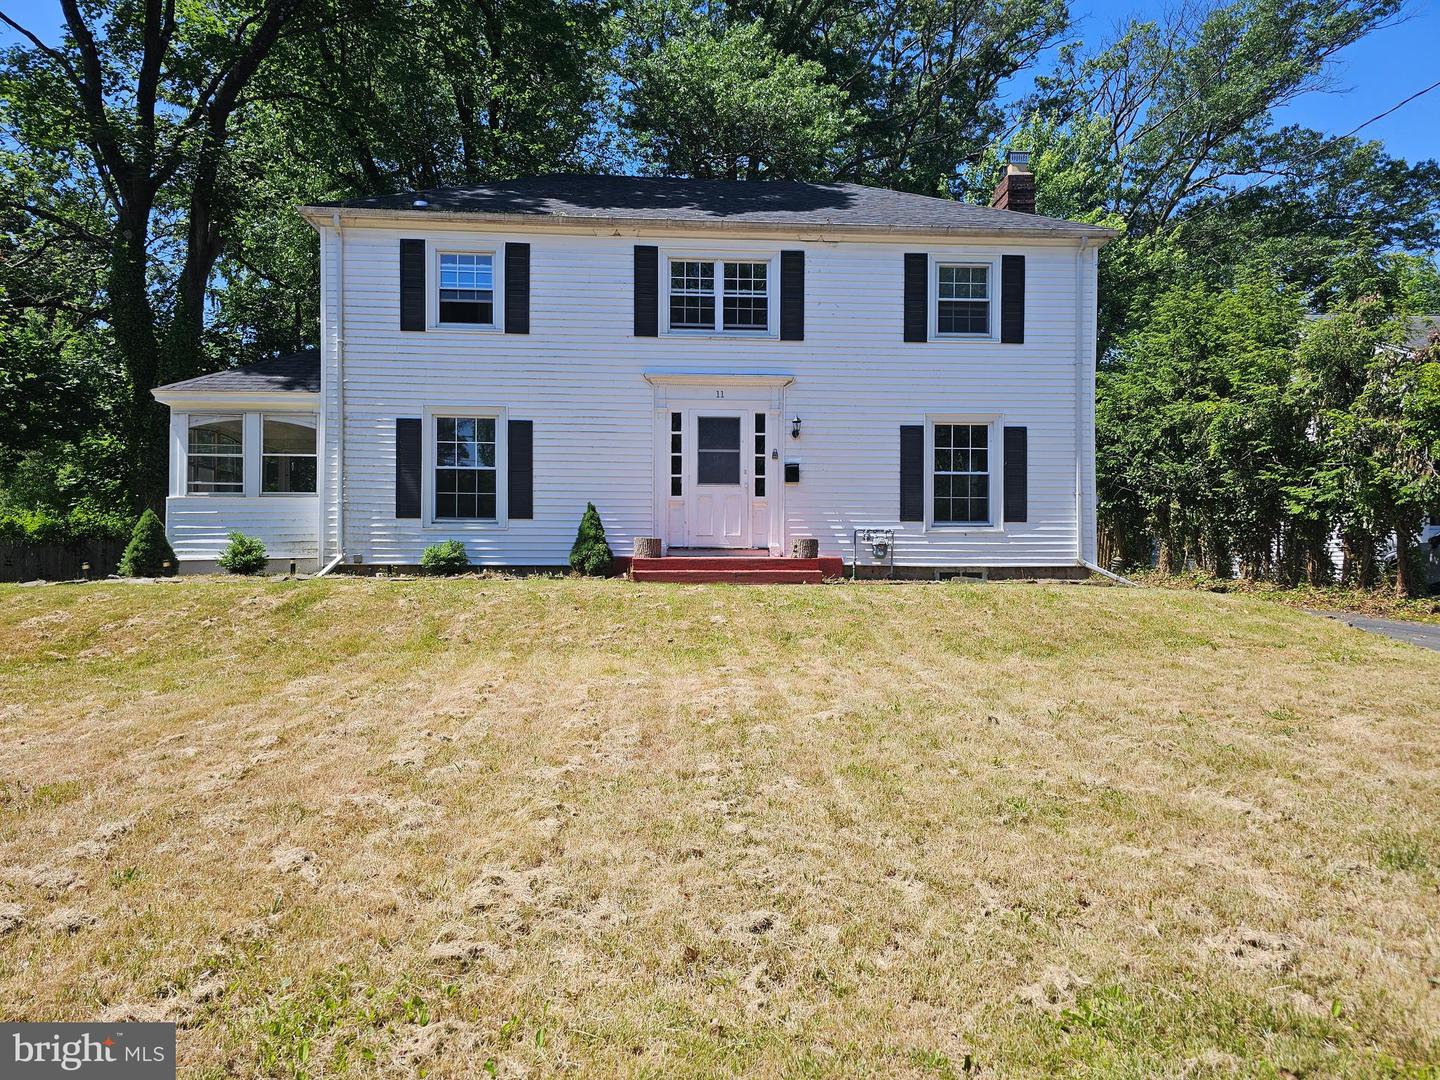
(588,223)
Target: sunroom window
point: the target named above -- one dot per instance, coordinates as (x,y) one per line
(288,455)
(215,455)
(962,474)
(962,305)
(465,467)
(467,288)
(738,292)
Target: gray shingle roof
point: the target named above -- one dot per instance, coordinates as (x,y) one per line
(767,203)
(293,371)
(1418,330)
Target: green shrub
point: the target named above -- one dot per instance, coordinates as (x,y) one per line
(591,554)
(446,557)
(245,555)
(44,527)
(148,550)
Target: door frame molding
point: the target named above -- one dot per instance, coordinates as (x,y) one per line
(689,390)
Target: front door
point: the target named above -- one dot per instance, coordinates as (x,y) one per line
(719,504)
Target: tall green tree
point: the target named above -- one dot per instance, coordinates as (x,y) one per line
(921,81)
(138,102)
(731,106)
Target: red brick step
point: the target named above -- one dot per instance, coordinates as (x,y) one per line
(807,575)
(755,568)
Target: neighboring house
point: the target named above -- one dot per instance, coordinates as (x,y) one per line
(721,365)
(1422,331)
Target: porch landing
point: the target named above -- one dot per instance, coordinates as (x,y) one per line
(746,566)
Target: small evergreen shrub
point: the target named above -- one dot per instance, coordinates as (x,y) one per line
(591,555)
(446,557)
(148,550)
(245,555)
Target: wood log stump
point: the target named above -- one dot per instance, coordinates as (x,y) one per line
(805,548)
(647,547)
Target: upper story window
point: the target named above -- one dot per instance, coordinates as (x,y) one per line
(215,455)
(962,474)
(962,300)
(287,458)
(467,288)
(738,292)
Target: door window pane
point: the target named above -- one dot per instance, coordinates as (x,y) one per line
(718,452)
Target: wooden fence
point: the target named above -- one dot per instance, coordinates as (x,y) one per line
(59,562)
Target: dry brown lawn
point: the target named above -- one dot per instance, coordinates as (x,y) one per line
(445,828)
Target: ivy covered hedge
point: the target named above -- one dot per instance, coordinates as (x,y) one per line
(44,527)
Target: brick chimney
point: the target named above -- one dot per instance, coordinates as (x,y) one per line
(1016,190)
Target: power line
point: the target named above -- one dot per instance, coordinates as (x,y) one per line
(1327,143)
(1387,112)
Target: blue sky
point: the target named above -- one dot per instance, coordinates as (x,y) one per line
(1385,67)
(1369,77)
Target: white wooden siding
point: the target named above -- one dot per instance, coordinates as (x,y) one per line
(199,526)
(578,376)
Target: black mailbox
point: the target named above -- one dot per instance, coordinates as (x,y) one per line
(792,472)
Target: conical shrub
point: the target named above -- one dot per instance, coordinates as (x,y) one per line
(591,554)
(148,550)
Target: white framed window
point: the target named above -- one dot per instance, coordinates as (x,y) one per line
(963,299)
(288,462)
(960,487)
(215,455)
(465,289)
(465,468)
(962,471)
(464,462)
(719,296)
(745,296)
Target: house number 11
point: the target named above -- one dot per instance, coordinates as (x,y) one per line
(719,393)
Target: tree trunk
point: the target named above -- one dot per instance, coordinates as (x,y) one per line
(1408,580)
(1359,565)
(133,321)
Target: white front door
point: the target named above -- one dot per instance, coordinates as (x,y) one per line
(718,510)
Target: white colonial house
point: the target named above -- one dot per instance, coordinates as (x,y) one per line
(720,365)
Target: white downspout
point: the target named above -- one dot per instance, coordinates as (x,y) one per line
(340,483)
(1079,400)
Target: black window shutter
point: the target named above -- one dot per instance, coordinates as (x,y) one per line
(412,284)
(912,472)
(1012,299)
(1017,468)
(792,296)
(522,468)
(917,269)
(407,467)
(517,288)
(647,291)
